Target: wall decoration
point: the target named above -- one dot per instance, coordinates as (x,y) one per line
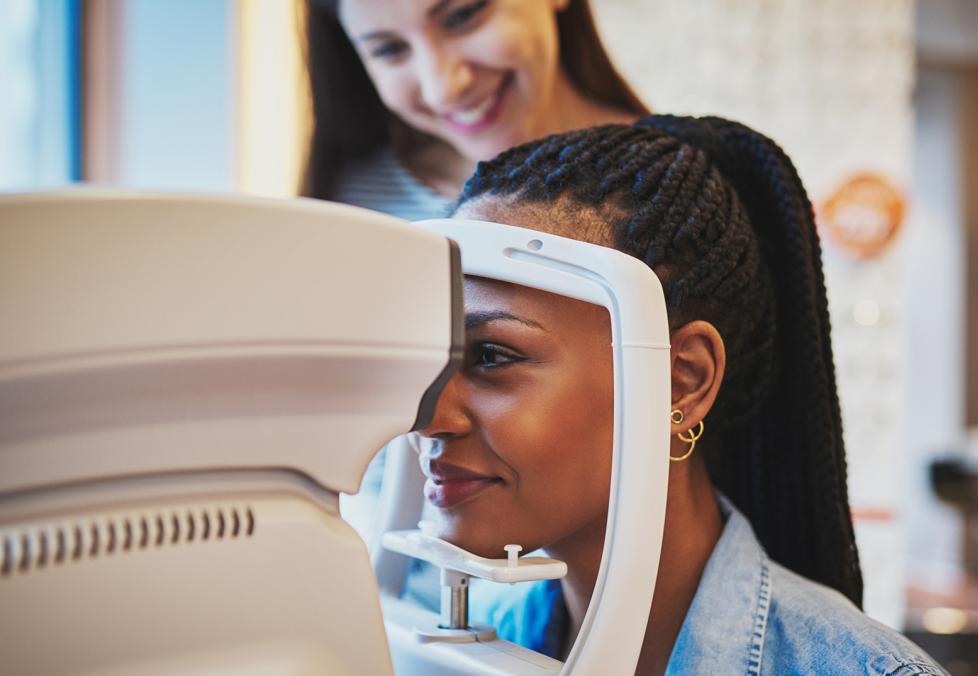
(863,215)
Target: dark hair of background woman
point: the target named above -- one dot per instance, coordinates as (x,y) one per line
(350,121)
(720,214)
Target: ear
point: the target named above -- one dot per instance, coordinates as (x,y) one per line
(559,5)
(698,364)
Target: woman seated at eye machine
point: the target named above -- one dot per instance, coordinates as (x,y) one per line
(153,445)
(759,571)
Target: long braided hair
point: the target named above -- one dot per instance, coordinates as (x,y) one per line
(720,214)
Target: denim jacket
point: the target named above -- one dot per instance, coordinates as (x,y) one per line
(749,616)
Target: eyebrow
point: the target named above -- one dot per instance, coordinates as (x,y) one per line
(474,319)
(432,12)
(375,35)
(436,8)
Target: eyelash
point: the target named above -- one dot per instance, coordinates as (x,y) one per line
(388,50)
(482,349)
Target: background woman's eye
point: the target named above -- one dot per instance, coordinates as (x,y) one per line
(388,50)
(461,16)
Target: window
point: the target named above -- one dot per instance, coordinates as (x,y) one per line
(40,68)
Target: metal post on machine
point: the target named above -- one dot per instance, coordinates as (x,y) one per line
(457,567)
(454,599)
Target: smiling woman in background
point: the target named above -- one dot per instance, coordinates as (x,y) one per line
(408,95)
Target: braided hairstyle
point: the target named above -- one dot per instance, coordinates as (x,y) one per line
(718,211)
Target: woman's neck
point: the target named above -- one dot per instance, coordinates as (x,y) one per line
(575,110)
(582,554)
(692,529)
(438,165)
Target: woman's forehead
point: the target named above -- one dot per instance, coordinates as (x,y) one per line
(481,292)
(549,310)
(358,15)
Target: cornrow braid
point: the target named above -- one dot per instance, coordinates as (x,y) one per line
(720,213)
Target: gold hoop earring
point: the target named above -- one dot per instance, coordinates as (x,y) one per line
(676,416)
(691,439)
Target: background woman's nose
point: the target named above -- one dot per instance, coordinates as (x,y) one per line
(451,418)
(444,77)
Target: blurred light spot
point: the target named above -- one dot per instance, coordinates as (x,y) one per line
(944,620)
(273,105)
(866,313)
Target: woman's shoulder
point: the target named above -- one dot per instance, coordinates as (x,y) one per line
(814,629)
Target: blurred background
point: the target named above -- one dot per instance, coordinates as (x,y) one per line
(876,101)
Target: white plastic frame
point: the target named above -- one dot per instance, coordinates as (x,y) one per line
(611,636)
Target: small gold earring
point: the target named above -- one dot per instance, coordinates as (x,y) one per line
(677,417)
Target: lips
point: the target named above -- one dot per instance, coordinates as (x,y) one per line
(483,113)
(450,485)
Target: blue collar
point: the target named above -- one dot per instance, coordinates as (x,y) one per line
(724,625)
(808,629)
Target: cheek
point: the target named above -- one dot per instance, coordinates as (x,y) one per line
(556,438)
(395,88)
(514,42)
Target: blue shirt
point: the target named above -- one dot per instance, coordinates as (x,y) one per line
(750,615)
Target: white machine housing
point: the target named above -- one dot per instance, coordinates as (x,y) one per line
(186,384)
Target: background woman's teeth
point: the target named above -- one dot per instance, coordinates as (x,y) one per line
(473,115)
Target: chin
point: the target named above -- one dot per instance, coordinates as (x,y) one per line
(473,539)
(488,148)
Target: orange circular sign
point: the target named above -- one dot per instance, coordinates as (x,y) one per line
(863,215)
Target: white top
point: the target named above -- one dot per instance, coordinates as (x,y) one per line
(383,184)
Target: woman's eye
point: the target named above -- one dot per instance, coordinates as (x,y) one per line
(492,356)
(460,17)
(388,50)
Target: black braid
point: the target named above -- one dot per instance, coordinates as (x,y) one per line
(719,212)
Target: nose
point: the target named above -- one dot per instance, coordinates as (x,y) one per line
(444,77)
(452,417)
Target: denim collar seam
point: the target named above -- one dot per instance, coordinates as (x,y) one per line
(755,652)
